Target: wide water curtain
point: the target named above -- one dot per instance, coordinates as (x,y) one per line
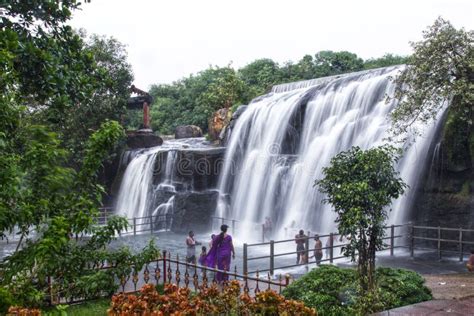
(283,140)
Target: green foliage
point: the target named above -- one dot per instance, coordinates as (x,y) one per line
(333,63)
(51,79)
(194,99)
(360,184)
(385,61)
(93,307)
(441,69)
(6,300)
(456,135)
(334,291)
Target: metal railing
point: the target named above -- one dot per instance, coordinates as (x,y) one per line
(427,238)
(329,248)
(166,270)
(145,224)
(434,235)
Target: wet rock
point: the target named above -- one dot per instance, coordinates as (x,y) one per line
(219,120)
(227,130)
(187,131)
(143,139)
(193,211)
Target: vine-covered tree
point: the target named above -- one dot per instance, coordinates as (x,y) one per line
(360,185)
(440,70)
(48,77)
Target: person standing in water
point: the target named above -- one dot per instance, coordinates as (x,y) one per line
(318,249)
(191,248)
(300,241)
(222,249)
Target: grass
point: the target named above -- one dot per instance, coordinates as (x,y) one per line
(90,308)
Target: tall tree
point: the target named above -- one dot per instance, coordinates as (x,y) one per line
(360,185)
(440,70)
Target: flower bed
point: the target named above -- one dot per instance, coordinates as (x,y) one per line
(207,301)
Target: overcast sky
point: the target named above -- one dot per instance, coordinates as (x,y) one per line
(167,40)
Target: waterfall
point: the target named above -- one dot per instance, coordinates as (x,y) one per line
(150,181)
(281,143)
(135,190)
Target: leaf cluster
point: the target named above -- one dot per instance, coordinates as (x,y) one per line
(334,291)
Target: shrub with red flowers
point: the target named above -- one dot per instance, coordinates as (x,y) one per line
(212,300)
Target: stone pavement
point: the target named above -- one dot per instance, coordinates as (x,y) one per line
(435,307)
(429,265)
(423,263)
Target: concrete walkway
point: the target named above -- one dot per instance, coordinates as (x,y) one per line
(435,307)
(452,286)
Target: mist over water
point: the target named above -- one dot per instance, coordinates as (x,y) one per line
(281,143)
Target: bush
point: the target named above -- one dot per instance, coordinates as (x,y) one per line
(207,301)
(6,300)
(334,291)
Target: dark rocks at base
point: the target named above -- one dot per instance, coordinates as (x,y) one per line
(193,185)
(193,211)
(143,139)
(187,131)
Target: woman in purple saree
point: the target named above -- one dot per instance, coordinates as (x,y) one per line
(220,254)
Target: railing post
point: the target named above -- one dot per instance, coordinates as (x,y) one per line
(245,260)
(461,255)
(263,232)
(307,247)
(164,267)
(272,258)
(439,242)
(233,227)
(392,239)
(412,240)
(331,247)
(151,224)
(134,226)
(223,221)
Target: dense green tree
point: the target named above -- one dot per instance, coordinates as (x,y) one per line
(441,69)
(328,63)
(109,98)
(192,100)
(360,185)
(259,76)
(52,82)
(385,61)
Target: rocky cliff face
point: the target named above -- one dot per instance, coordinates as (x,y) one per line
(446,196)
(217,124)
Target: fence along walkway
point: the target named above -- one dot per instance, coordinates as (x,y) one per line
(166,270)
(418,237)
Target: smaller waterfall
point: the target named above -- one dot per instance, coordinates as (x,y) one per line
(162,212)
(135,190)
(152,179)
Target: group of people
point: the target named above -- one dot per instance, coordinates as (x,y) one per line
(302,254)
(221,251)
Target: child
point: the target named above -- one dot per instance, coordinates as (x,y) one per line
(202,257)
(470,262)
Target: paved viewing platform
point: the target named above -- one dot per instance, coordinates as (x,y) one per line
(452,286)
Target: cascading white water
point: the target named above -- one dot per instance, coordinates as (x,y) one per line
(281,143)
(137,193)
(135,190)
